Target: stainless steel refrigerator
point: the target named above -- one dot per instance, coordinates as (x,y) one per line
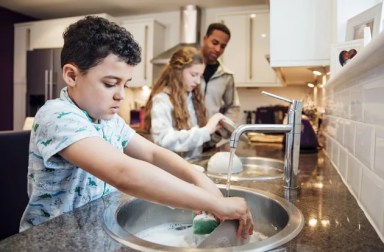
(44,78)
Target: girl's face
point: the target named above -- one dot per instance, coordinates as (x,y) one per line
(100,91)
(192,76)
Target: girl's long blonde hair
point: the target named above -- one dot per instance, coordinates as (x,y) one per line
(171,81)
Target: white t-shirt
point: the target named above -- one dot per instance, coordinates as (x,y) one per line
(187,143)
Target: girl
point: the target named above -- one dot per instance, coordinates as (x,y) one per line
(175,113)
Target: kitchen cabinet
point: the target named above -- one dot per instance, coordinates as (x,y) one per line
(300,32)
(247,53)
(150,35)
(49,33)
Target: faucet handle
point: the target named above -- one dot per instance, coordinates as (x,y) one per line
(277,97)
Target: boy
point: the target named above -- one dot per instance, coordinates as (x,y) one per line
(80,149)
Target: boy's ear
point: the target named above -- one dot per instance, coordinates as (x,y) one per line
(70,73)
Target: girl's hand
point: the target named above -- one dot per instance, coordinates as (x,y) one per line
(214,122)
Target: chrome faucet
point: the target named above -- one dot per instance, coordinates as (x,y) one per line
(292,142)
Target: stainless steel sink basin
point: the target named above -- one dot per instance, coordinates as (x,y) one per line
(273,216)
(254,168)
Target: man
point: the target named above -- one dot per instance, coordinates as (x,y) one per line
(217,83)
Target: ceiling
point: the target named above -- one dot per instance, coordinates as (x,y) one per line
(45,9)
(48,9)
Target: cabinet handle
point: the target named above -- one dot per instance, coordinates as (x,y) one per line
(145,51)
(250,47)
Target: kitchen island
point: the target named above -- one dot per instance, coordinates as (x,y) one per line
(333,219)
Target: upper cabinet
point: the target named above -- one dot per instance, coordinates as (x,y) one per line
(300,32)
(247,53)
(150,36)
(49,33)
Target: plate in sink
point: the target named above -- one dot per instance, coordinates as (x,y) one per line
(255,168)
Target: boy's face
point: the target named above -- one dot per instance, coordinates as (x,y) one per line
(214,46)
(100,91)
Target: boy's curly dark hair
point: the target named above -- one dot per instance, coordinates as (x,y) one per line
(88,41)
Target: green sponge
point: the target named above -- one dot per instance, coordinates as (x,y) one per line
(204,224)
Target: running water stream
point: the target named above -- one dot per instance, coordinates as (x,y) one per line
(231,155)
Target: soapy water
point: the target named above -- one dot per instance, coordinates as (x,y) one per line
(181,235)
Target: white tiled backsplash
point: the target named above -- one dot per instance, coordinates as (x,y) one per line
(355,139)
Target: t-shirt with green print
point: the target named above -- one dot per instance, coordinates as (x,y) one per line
(56,186)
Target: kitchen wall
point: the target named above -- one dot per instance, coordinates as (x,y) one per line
(135,98)
(250,97)
(7,20)
(171,20)
(345,10)
(354,119)
(172,34)
(354,128)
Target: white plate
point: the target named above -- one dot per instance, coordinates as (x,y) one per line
(229,125)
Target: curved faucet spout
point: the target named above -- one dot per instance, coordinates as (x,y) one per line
(261,128)
(292,142)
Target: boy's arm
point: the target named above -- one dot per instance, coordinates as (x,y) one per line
(143,179)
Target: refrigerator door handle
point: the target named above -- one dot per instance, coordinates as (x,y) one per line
(50,84)
(46,84)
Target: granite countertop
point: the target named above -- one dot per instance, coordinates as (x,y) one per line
(333,219)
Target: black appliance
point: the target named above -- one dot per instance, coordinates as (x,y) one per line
(44,78)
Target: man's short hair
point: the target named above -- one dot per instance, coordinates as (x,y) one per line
(218,26)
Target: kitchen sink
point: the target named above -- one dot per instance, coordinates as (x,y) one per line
(254,168)
(274,217)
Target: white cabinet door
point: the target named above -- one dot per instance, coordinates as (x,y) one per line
(300,32)
(49,33)
(150,36)
(260,71)
(247,51)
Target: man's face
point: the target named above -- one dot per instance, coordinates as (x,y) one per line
(214,46)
